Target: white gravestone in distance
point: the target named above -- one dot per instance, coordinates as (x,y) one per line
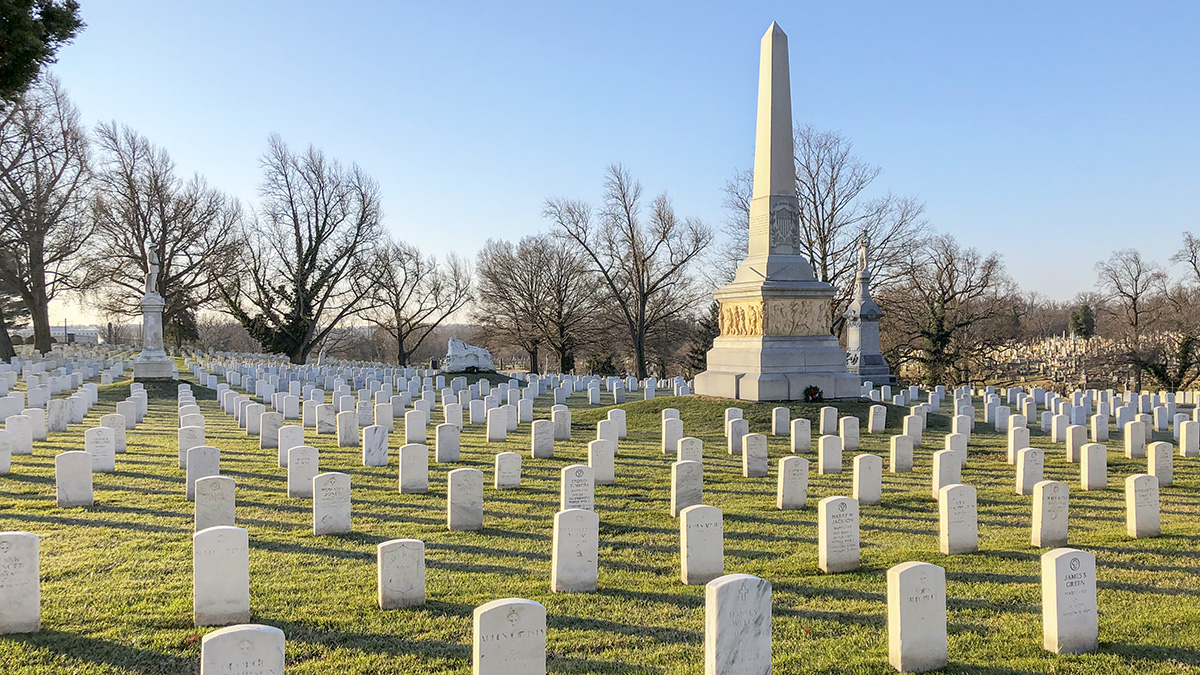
(916,617)
(837,534)
(1050,508)
(576,488)
(737,625)
(244,648)
(20,583)
(701,544)
(792,491)
(507,471)
(331,503)
(447,437)
(215,502)
(464,499)
(1142,512)
(574,561)
(400,568)
(958,520)
(73,478)
(220,576)
(509,637)
(302,468)
(1069,614)
(687,485)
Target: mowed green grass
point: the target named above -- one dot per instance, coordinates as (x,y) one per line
(116,577)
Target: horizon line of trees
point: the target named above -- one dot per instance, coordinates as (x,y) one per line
(622,285)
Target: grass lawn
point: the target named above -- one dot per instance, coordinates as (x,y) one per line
(116,577)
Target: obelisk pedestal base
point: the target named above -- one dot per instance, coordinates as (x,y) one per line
(777,369)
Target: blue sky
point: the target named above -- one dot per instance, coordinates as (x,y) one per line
(1050,132)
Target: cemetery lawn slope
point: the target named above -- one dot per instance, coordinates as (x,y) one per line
(116,577)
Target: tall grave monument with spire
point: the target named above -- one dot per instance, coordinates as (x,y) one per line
(774,341)
(863,357)
(152,364)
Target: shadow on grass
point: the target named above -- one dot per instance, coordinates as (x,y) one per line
(120,657)
(568,664)
(656,633)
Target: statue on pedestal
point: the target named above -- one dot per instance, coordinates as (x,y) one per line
(153,363)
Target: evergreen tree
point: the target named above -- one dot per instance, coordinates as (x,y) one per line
(31,31)
(708,327)
(13,315)
(1082,323)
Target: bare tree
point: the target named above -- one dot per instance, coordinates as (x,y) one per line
(948,306)
(142,205)
(830,186)
(540,292)
(1134,291)
(409,295)
(44,172)
(644,262)
(508,297)
(114,332)
(312,238)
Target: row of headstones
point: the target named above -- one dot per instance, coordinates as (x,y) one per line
(556,537)
(1078,407)
(61,372)
(73,469)
(1142,512)
(54,415)
(337,511)
(264,379)
(509,635)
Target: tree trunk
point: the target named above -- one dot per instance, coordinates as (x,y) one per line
(566,362)
(533,358)
(639,355)
(7,352)
(401,353)
(39,315)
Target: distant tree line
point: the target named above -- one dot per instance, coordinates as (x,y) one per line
(620,286)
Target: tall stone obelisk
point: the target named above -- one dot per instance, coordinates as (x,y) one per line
(863,356)
(775,315)
(152,364)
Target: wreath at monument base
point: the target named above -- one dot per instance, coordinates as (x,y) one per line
(813,393)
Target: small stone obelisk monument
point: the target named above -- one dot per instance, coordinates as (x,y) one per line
(774,340)
(863,357)
(153,363)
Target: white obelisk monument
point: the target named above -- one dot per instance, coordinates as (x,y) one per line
(153,363)
(775,316)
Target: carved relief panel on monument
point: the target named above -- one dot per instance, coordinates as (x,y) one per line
(742,319)
(785,228)
(774,318)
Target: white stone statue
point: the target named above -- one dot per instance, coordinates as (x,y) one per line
(153,363)
(460,356)
(152,275)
